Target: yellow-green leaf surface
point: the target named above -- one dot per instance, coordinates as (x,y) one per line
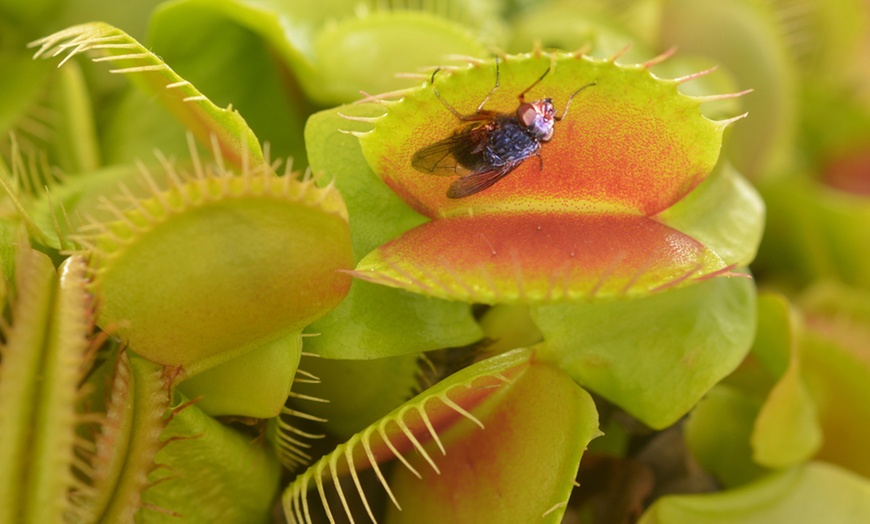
(218,265)
(717,432)
(332,50)
(357,392)
(604,27)
(815,232)
(246,65)
(126,449)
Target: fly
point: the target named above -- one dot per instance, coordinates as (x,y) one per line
(492,144)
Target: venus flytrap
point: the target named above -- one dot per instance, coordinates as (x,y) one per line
(523,273)
(207,268)
(520,238)
(48,336)
(359,392)
(574,230)
(502,419)
(220,218)
(189,340)
(749,39)
(151,266)
(787,496)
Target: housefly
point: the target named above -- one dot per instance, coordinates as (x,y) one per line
(491,144)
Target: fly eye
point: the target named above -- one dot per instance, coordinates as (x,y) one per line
(527,114)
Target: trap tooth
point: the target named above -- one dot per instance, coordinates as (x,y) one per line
(695,75)
(620,53)
(728,121)
(366,119)
(214,266)
(656,60)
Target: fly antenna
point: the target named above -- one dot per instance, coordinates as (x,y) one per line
(570,98)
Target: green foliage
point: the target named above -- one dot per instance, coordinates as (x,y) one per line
(194,330)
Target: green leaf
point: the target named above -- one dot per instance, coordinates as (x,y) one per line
(817,492)
(718,432)
(60,210)
(836,368)
(144,395)
(507,327)
(137,127)
(654,357)
(333,50)
(255,384)
(22,84)
(787,430)
(75,142)
(376,322)
(208,472)
(384,42)
(575,25)
(819,231)
(356,392)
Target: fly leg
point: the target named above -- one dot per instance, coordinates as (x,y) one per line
(491,91)
(480,113)
(522,96)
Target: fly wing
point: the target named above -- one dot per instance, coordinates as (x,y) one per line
(460,151)
(478,181)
